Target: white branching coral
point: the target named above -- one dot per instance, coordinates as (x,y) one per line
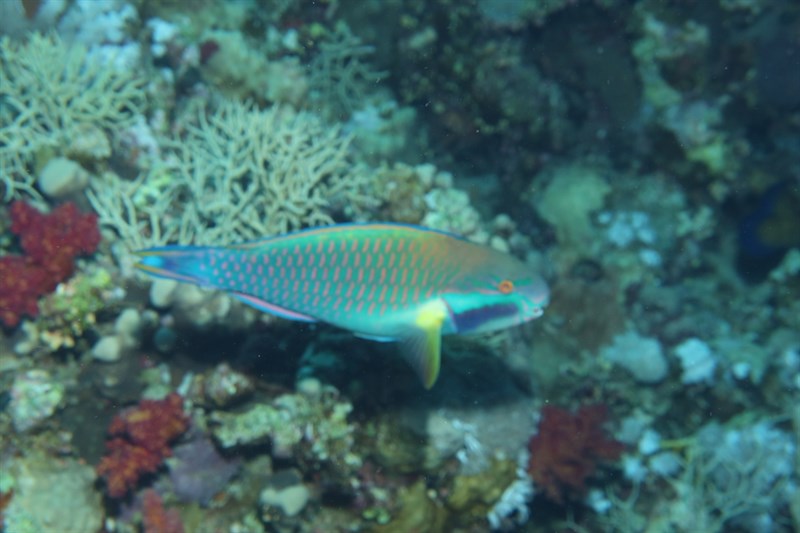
(50,94)
(237,174)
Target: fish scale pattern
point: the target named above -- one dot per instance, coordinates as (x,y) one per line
(338,276)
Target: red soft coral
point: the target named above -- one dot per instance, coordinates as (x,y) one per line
(565,450)
(142,435)
(157,519)
(50,242)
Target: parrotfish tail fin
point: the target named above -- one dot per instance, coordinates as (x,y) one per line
(181,263)
(423,344)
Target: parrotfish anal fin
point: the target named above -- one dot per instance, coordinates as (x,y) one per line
(272,309)
(422,345)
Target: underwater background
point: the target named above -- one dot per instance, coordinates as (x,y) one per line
(642,157)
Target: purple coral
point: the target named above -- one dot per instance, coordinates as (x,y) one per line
(198,472)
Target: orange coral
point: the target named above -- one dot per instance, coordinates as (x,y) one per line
(565,451)
(141,442)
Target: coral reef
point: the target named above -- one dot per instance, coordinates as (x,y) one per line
(50,243)
(641,156)
(140,441)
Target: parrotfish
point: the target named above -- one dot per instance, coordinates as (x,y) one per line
(387,282)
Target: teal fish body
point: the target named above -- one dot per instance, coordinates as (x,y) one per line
(381,281)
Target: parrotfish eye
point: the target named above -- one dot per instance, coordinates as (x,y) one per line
(506,286)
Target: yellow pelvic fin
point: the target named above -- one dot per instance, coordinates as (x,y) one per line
(422,346)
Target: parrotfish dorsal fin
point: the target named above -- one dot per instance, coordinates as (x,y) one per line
(422,345)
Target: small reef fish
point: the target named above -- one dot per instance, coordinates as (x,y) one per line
(387,282)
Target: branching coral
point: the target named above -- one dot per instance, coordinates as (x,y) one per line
(50,92)
(50,242)
(240,173)
(566,449)
(141,441)
(339,76)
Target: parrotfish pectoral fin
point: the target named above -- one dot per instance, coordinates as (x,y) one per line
(173,262)
(422,345)
(272,309)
